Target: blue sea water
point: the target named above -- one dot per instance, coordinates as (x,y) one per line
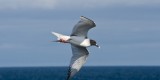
(86,73)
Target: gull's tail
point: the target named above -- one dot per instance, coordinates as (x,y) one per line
(61,36)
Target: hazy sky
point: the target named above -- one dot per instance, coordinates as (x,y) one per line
(127,30)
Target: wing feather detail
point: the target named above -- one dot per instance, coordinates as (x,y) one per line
(79,57)
(82,27)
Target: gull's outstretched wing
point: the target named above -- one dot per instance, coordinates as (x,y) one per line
(82,27)
(79,57)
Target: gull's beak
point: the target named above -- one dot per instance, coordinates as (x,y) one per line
(97,45)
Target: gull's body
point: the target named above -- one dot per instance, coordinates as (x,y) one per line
(79,41)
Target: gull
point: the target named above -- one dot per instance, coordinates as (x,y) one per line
(79,42)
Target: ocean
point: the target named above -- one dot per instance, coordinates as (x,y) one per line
(86,73)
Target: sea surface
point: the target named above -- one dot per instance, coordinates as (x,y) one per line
(86,73)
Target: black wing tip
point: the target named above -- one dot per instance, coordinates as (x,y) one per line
(85,18)
(69,73)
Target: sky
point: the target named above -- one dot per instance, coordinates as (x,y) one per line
(127,31)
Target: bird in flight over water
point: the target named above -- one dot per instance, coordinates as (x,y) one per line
(79,42)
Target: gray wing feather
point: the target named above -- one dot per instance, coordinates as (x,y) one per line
(79,57)
(82,27)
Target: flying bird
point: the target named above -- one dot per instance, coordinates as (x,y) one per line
(79,42)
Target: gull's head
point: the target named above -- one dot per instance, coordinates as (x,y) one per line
(94,43)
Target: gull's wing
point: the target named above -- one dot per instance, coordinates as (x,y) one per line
(79,57)
(82,27)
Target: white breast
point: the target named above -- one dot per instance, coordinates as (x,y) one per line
(85,43)
(80,41)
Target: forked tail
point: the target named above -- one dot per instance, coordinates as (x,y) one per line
(61,36)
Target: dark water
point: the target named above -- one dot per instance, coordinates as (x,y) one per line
(86,73)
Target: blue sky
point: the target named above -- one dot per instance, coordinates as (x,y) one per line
(129,31)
